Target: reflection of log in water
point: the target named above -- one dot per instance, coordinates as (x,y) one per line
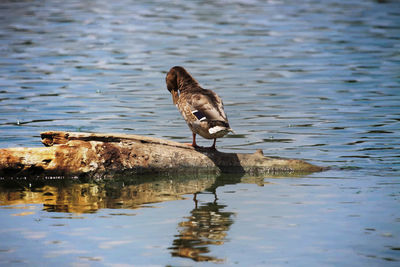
(66,196)
(120,192)
(207,225)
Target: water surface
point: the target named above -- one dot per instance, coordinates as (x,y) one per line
(315,80)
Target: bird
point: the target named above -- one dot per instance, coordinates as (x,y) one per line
(201,108)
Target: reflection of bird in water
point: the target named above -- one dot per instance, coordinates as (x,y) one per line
(202,109)
(207,225)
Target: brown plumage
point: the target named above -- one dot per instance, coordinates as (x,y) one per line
(202,109)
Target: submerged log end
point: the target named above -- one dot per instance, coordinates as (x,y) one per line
(295,165)
(259,163)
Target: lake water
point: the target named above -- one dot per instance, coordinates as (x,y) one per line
(314,80)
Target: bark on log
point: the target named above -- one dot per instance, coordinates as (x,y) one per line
(100,155)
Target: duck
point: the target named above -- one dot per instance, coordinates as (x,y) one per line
(202,109)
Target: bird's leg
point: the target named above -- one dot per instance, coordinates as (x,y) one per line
(194,140)
(195,200)
(193,144)
(213,145)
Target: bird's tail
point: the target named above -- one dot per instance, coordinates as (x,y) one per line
(231,130)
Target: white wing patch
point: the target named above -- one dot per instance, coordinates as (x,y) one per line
(216,129)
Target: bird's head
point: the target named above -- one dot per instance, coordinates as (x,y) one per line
(172,83)
(179,80)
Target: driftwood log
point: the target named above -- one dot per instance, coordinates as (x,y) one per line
(100,155)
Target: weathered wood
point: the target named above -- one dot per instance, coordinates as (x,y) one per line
(100,155)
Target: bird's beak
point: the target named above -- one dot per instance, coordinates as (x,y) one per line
(175,96)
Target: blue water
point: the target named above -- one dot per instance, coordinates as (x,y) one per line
(315,80)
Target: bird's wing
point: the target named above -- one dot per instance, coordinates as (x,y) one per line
(208,104)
